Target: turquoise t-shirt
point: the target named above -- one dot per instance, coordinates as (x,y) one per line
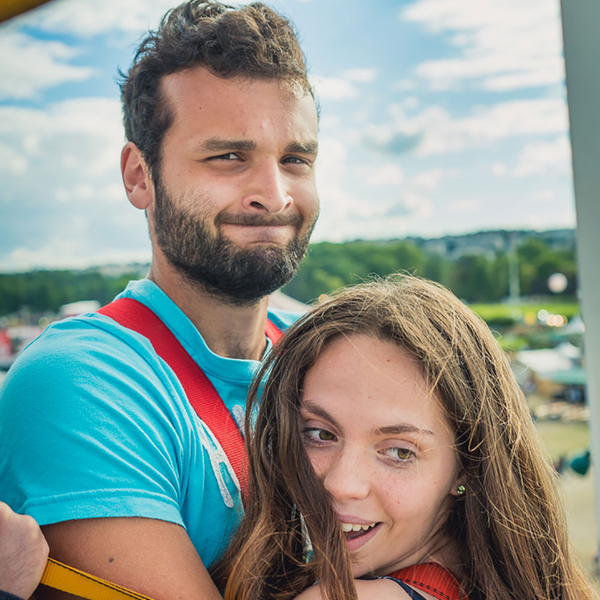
(94,424)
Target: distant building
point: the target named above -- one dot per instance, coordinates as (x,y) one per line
(489,243)
(78,308)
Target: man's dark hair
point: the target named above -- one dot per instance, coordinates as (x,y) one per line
(252,41)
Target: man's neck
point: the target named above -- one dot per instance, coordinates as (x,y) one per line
(229,330)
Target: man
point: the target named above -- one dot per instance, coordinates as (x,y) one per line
(103,448)
(23,554)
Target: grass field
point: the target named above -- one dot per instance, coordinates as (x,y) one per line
(498,312)
(563,438)
(566,439)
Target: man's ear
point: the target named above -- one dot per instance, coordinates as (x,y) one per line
(136,177)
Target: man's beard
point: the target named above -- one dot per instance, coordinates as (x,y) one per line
(237,275)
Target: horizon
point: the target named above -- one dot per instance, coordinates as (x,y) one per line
(410,238)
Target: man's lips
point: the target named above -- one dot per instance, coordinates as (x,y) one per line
(259,233)
(252,220)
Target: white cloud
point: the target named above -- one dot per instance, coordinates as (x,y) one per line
(433,131)
(30,65)
(65,205)
(541,157)
(543,196)
(501,45)
(94,17)
(333,88)
(409,205)
(428,180)
(83,135)
(343,86)
(360,214)
(499,169)
(411,102)
(360,75)
(64,253)
(551,218)
(405,85)
(464,205)
(382,175)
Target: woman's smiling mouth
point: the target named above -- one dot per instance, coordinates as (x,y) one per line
(358,534)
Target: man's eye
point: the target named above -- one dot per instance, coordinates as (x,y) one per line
(296,160)
(400,454)
(228,156)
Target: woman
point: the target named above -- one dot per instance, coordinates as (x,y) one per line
(392,433)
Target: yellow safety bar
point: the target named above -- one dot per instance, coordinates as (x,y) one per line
(84,585)
(13,8)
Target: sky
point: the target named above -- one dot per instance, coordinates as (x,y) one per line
(437,117)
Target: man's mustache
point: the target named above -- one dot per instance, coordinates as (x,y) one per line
(257,220)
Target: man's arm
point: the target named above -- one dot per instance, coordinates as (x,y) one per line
(151,557)
(23,553)
(100,453)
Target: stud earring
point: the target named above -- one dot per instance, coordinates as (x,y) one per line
(461,489)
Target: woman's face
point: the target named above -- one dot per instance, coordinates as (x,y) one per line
(381,444)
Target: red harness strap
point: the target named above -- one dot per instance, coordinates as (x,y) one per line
(433,579)
(200,392)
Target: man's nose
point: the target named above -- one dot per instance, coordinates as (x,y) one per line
(267,189)
(348,476)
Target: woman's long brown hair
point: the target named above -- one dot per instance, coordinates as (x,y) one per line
(509,526)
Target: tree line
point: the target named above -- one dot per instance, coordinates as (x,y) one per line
(327,267)
(472,277)
(47,291)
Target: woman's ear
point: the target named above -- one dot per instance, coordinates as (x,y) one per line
(136,177)
(460,485)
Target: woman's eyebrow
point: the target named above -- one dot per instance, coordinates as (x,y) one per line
(317,411)
(401,428)
(397,429)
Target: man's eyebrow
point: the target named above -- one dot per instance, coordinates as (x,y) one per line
(401,428)
(310,147)
(316,410)
(216,144)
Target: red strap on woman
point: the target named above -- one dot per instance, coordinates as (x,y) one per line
(432,578)
(200,392)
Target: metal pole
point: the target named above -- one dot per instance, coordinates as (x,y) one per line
(582,55)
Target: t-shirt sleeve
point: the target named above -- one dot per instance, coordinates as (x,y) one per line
(284,319)
(89,428)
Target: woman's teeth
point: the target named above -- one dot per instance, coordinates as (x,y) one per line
(347,527)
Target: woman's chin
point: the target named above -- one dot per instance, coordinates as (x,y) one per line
(360,568)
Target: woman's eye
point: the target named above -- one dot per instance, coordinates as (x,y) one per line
(317,435)
(400,454)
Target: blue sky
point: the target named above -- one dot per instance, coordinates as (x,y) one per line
(437,116)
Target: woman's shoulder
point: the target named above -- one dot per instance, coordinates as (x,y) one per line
(368,589)
(388,588)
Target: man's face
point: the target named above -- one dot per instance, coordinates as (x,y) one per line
(235,198)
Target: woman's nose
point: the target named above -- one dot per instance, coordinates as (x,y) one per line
(348,476)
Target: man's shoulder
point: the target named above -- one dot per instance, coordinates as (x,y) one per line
(83,338)
(90,352)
